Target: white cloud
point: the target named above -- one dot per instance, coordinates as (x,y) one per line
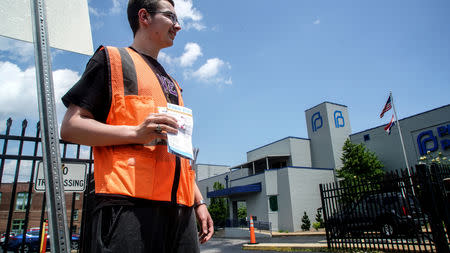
(209,69)
(188,16)
(191,52)
(16,50)
(196,26)
(10,171)
(117,7)
(163,57)
(18,97)
(211,72)
(94,12)
(317,21)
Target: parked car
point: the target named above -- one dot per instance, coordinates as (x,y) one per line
(32,243)
(2,240)
(389,213)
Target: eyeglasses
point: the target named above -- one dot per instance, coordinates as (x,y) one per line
(168,14)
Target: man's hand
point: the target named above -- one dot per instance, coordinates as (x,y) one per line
(206,223)
(154,126)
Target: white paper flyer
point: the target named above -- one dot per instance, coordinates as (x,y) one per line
(181,143)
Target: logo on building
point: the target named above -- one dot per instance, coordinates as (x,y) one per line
(338,119)
(427,141)
(316,121)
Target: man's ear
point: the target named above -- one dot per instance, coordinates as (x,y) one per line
(144,17)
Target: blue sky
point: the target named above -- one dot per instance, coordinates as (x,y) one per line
(249,69)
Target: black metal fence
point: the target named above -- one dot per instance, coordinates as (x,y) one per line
(22,208)
(399,213)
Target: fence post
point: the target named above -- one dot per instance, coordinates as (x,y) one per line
(437,229)
(5,146)
(325,217)
(439,190)
(14,188)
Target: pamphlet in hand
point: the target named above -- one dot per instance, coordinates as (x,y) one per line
(181,143)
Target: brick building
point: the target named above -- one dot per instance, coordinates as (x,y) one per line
(20,206)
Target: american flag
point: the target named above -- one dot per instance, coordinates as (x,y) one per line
(387,106)
(388,127)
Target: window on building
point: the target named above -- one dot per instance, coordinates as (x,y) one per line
(273,203)
(22,201)
(75,214)
(74,229)
(207,189)
(17,226)
(366,137)
(77,196)
(0,197)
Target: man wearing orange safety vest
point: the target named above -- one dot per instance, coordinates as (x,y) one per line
(146,199)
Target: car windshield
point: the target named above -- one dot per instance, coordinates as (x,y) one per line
(34,233)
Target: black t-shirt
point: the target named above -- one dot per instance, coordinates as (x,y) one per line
(93,92)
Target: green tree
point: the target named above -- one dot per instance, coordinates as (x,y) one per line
(359,163)
(306,223)
(319,219)
(218,207)
(242,212)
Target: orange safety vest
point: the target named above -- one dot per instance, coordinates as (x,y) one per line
(146,172)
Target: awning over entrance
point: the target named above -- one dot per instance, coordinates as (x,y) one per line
(235,190)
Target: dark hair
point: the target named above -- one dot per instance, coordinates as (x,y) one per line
(135,5)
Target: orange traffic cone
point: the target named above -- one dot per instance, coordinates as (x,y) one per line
(252,231)
(44,238)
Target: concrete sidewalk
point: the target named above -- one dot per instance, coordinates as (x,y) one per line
(315,247)
(299,233)
(279,246)
(286,246)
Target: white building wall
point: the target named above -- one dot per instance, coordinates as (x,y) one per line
(271,177)
(280,147)
(328,127)
(305,192)
(319,133)
(284,201)
(300,152)
(340,130)
(204,171)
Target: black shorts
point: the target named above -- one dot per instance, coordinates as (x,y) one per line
(138,229)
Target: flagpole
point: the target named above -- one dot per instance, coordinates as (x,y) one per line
(401,140)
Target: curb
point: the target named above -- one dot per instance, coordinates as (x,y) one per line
(278,234)
(285,246)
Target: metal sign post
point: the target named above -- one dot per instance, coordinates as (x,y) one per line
(56,207)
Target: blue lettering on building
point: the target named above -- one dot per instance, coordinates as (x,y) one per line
(316,121)
(427,141)
(443,130)
(445,144)
(338,119)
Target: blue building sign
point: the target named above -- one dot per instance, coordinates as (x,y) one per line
(338,119)
(316,121)
(427,141)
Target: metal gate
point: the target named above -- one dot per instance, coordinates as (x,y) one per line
(399,213)
(22,209)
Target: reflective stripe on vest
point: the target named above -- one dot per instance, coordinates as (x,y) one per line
(139,171)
